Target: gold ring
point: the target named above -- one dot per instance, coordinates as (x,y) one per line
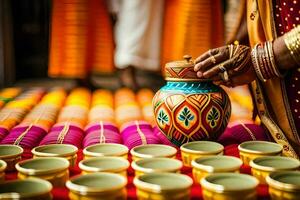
(213,59)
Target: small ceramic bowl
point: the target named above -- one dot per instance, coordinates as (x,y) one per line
(151,165)
(284,185)
(97,186)
(229,186)
(107,149)
(214,164)
(153,151)
(31,188)
(163,186)
(253,149)
(3,166)
(57,150)
(197,149)
(11,154)
(105,164)
(261,167)
(52,169)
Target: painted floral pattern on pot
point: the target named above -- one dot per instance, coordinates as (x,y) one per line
(191,110)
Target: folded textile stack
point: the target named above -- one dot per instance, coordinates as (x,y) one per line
(101,128)
(14,111)
(144,98)
(127,108)
(71,120)
(8,94)
(38,122)
(137,133)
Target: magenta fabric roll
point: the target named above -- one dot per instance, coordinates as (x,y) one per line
(64,134)
(242,132)
(138,133)
(27,137)
(3,133)
(102,132)
(163,139)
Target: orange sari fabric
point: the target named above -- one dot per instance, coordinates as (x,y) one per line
(81,38)
(191,27)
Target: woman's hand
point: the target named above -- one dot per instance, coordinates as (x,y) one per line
(228,65)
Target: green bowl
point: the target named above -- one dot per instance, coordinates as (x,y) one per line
(153,151)
(55,150)
(229,182)
(40,166)
(285,181)
(260,147)
(96,183)
(151,165)
(10,151)
(220,163)
(104,164)
(202,147)
(163,182)
(275,163)
(11,154)
(106,149)
(31,188)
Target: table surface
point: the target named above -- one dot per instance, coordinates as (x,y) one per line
(62,193)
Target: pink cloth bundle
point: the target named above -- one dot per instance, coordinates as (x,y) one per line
(27,137)
(163,139)
(65,133)
(137,133)
(3,133)
(101,132)
(242,132)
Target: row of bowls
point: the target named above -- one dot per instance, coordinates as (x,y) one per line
(165,184)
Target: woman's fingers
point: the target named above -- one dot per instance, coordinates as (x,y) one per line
(211,61)
(207,54)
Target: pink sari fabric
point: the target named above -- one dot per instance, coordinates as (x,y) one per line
(241,132)
(27,137)
(64,134)
(102,132)
(137,133)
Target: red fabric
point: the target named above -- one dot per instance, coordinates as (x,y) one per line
(62,193)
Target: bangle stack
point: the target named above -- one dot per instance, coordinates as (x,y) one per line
(292,42)
(264,61)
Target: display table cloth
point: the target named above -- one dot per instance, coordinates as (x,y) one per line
(62,193)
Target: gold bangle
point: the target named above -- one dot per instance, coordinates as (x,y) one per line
(292,42)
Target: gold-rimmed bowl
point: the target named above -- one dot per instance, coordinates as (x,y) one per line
(3,166)
(254,149)
(284,185)
(106,149)
(97,186)
(52,169)
(192,150)
(214,164)
(163,186)
(229,186)
(66,151)
(31,188)
(105,164)
(261,167)
(153,151)
(152,165)
(11,154)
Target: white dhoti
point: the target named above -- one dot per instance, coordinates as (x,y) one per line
(138,33)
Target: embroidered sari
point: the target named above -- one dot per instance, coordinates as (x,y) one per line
(277,99)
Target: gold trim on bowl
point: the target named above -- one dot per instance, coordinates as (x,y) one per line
(121,153)
(137,155)
(46,195)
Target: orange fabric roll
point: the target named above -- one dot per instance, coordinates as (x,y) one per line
(191,27)
(81,38)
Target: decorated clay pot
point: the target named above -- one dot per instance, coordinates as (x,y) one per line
(188,108)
